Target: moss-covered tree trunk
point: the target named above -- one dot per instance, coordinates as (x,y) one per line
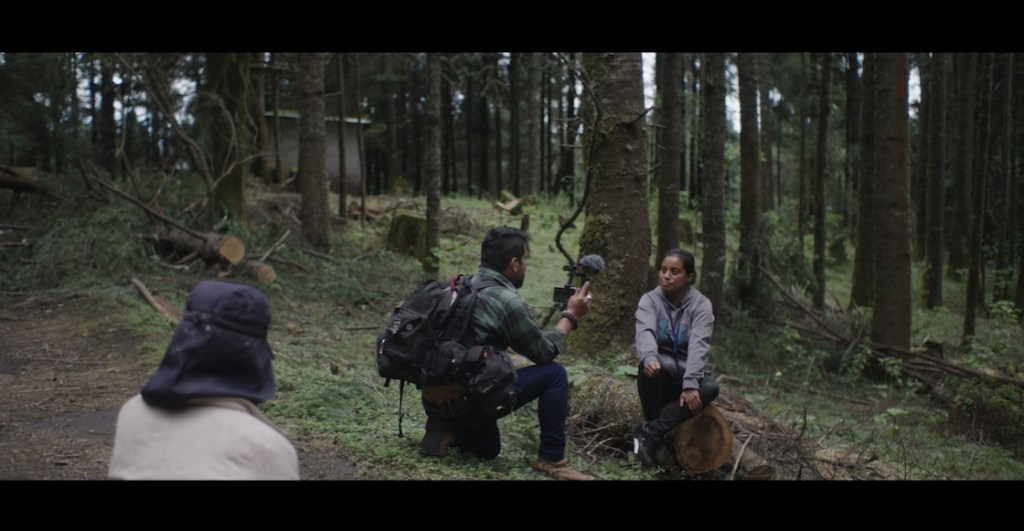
(764,89)
(670,91)
(617,225)
(891,318)
(313,184)
(712,277)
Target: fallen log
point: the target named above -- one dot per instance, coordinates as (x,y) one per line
(255,269)
(212,247)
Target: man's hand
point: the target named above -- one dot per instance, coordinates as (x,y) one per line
(652,367)
(579,303)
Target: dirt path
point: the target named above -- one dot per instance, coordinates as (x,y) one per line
(65,369)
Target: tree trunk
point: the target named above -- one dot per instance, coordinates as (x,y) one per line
(862,292)
(616,146)
(965,75)
(801,214)
(342,163)
(567,160)
(919,186)
(360,145)
(531,111)
(106,126)
(670,118)
(515,64)
(764,88)
(484,164)
(279,173)
(820,178)
(433,169)
(712,276)
(852,136)
(228,79)
(748,262)
(891,317)
(313,184)
(936,192)
(393,155)
(975,289)
(1003,254)
(261,163)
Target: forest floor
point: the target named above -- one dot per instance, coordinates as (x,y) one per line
(65,370)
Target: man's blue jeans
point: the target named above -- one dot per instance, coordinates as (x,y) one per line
(549,385)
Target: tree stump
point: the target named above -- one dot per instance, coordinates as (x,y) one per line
(408,233)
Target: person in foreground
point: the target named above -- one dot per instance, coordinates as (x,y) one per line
(502,320)
(674,323)
(196,418)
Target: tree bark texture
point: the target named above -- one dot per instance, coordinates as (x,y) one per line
(712,278)
(891,318)
(313,183)
(617,209)
(670,118)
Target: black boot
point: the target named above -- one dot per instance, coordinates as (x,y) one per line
(645,446)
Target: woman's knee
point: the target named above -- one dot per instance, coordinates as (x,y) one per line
(709,388)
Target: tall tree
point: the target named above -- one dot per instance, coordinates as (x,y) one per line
(670,116)
(342,162)
(801,215)
(567,160)
(228,83)
(433,162)
(965,79)
(890,323)
(919,186)
(515,65)
(749,261)
(936,192)
(853,98)
(820,178)
(531,111)
(313,184)
(106,126)
(1006,171)
(764,90)
(393,155)
(862,292)
(979,185)
(616,146)
(261,163)
(713,109)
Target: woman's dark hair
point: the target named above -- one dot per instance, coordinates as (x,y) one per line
(500,246)
(689,262)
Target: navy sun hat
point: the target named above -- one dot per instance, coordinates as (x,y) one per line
(219,349)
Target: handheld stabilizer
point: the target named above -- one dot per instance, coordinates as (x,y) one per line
(588,266)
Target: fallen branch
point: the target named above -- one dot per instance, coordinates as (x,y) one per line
(275,246)
(321,255)
(739,457)
(158,303)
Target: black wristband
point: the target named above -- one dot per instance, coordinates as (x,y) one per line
(572,319)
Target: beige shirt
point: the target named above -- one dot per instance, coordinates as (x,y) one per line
(213,438)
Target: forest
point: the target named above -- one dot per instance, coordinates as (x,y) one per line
(854,217)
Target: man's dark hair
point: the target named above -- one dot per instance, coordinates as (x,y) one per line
(500,246)
(689,262)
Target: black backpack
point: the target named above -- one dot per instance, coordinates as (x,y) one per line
(426,344)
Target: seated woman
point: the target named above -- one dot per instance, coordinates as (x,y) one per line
(196,418)
(674,323)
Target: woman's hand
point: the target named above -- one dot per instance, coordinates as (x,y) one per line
(652,367)
(691,400)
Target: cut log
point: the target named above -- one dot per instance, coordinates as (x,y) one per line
(255,269)
(703,443)
(211,246)
(751,465)
(514,207)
